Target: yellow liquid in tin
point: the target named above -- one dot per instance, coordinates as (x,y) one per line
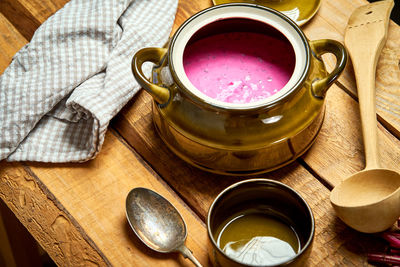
(258,239)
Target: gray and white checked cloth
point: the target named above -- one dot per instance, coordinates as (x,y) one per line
(62,89)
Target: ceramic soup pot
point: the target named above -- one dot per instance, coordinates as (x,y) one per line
(236,136)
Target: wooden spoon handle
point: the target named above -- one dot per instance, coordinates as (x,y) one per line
(365,37)
(365,77)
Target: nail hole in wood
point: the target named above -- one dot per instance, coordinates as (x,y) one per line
(369,12)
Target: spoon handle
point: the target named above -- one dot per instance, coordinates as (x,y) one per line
(365,37)
(188,254)
(365,77)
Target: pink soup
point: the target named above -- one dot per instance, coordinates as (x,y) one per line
(239,67)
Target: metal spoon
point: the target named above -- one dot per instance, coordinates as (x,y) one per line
(368,201)
(157,222)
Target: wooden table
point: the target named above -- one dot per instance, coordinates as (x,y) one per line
(76,211)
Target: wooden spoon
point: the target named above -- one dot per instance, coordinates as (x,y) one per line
(368,201)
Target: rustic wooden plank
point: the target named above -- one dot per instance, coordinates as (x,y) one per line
(56,209)
(335,244)
(94,194)
(77,211)
(338,151)
(20,17)
(48,222)
(10,42)
(134,123)
(41,10)
(186,9)
(27,15)
(341,136)
(331,23)
(18,253)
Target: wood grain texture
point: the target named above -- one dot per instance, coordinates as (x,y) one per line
(10,42)
(60,229)
(88,196)
(28,15)
(77,211)
(388,82)
(39,211)
(134,123)
(334,244)
(187,9)
(94,194)
(196,187)
(338,151)
(331,22)
(20,17)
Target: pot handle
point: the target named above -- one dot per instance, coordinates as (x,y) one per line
(320,47)
(155,55)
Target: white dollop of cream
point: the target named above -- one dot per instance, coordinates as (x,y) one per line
(260,250)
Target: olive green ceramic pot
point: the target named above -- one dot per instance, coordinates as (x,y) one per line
(239,139)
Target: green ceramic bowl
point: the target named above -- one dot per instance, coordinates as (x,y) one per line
(263,196)
(239,139)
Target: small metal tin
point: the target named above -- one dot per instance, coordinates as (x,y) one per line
(266,196)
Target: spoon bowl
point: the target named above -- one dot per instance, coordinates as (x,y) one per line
(368,201)
(157,223)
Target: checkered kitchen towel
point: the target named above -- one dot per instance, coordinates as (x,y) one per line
(61,90)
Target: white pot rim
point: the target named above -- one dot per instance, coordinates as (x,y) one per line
(262,14)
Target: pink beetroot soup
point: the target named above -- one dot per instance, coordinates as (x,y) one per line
(239,67)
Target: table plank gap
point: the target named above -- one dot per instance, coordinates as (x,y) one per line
(11,41)
(338,151)
(182,198)
(381,119)
(95,191)
(64,236)
(59,205)
(20,17)
(314,173)
(134,123)
(330,22)
(335,243)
